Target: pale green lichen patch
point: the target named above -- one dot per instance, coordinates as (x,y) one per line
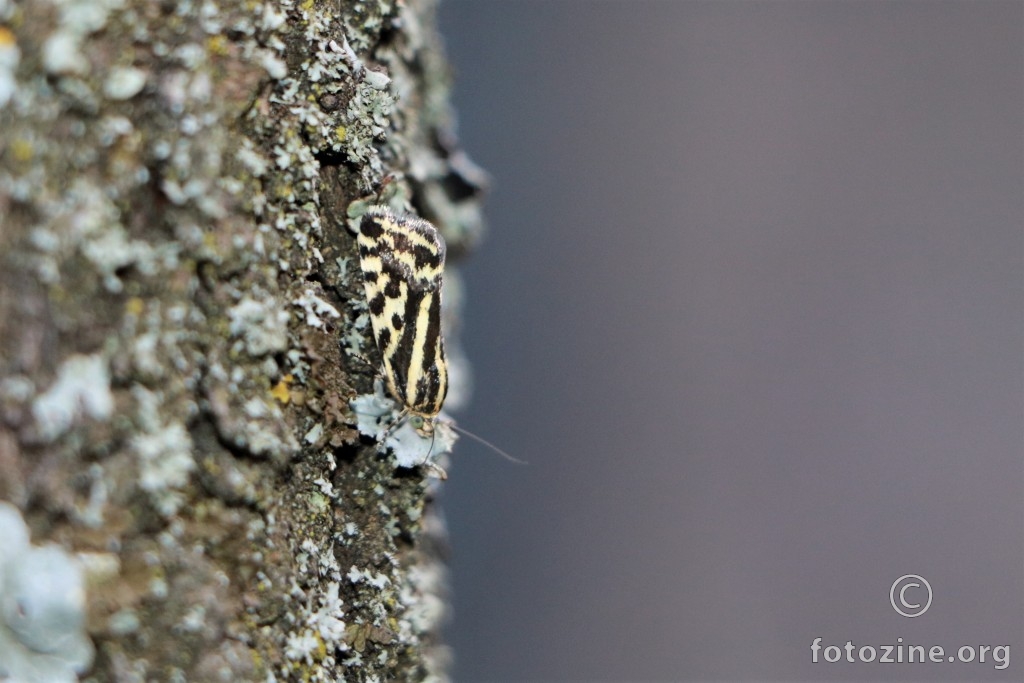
(380,418)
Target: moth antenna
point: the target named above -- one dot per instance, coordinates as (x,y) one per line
(480,439)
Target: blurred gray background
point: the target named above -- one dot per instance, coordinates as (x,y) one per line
(752,307)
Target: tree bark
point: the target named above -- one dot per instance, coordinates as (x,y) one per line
(182,326)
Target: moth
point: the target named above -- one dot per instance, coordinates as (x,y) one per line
(402,262)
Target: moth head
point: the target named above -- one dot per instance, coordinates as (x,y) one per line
(423,424)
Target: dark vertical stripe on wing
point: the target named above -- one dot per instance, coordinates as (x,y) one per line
(406,345)
(431,388)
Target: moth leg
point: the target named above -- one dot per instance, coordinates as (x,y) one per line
(360,357)
(437,470)
(395,424)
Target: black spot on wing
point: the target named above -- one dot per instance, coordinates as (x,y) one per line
(392,288)
(371,227)
(396,271)
(377,304)
(421,239)
(426,257)
(383,339)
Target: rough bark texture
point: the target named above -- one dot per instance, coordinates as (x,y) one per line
(182,325)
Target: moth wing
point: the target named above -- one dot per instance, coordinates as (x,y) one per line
(403,262)
(415,362)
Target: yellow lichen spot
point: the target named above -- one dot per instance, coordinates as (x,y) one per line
(22,149)
(341,132)
(217,45)
(321,646)
(134,306)
(7,38)
(280,390)
(307,5)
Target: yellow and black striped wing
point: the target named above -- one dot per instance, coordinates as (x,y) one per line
(402,260)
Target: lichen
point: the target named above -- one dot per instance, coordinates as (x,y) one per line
(184,326)
(378,417)
(262,325)
(42,608)
(10,55)
(82,389)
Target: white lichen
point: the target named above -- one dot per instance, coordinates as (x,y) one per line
(124,83)
(62,54)
(251,159)
(82,389)
(326,487)
(10,56)
(262,325)
(165,464)
(62,51)
(315,308)
(315,433)
(319,630)
(42,608)
(274,65)
(163,450)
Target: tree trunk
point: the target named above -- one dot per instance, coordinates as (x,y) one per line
(183,325)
